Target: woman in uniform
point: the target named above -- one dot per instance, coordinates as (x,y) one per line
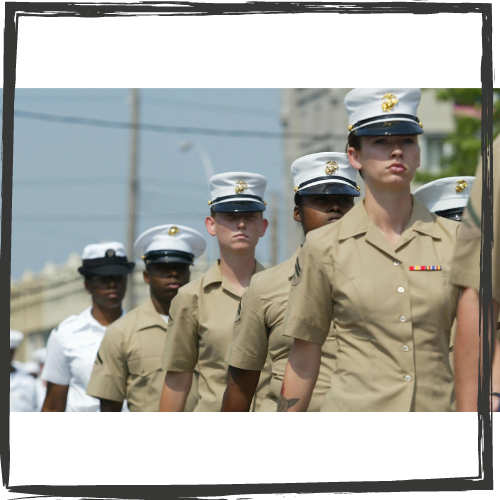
(325,187)
(381,274)
(73,345)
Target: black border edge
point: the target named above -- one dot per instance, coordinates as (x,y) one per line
(13,10)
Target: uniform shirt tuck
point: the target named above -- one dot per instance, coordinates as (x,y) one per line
(71,352)
(202,317)
(392,324)
(129,362)
(257,334)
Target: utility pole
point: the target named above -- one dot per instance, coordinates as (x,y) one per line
(274,228)
(133,189)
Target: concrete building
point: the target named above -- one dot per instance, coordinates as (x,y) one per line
(315,120)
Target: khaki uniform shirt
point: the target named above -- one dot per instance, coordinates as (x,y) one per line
(129,363)
(202,317)
(392,324)
(465,269)
(257,334)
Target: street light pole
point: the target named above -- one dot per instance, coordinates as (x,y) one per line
(209,172)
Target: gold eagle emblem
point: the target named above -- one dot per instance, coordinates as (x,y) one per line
(173,231)
(461,185)
(390,102)
(331,167)
(240,187)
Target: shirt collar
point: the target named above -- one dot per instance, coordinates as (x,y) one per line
(150,317)
(85,319)
(214,275)
(356,221)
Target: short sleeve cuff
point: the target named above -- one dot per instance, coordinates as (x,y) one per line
(465,278)
(179,365)
(297,329)
(244,361)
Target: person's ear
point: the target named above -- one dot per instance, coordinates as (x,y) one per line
(145,275)
(354,158)
(87,286)
(210,225)
(297,217)
(263,226)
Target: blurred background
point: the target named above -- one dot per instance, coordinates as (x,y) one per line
(94,165)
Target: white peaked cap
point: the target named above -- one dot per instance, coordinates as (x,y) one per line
(446,193)
(170,243)
(324,168)
(98,250)
(16,337)
(237,192)
(394,110)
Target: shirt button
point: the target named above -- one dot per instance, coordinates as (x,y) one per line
(401,289)
(408,378)
(396,262)
(402,319)
(405,348)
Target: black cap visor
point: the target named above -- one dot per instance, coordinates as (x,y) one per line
(107,269)
(396,127)
(329,188)
(239,206)
(451,213)
(169,257)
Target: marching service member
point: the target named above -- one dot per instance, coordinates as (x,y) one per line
(128,364)
(22,384)
(202,315)
(73,345)
(381,274)
(325,187)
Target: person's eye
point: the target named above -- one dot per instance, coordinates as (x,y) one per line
(380,141)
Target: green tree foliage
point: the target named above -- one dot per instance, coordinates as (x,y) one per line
(465,140)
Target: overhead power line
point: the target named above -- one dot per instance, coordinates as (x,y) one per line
(169,129)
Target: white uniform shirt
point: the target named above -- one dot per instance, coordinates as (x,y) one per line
(22,392)
(41,392)
(71,351)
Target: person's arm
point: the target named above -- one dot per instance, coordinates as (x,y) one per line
(241,386)
(56,397)
(467,345)
(108,381)
(175,391)
(300,376)
(108,405)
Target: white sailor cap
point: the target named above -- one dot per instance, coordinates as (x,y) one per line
(40,355)
(170,243)
(16,337)
(446,197)
(237,192)
(31,367)
(105,259)
(383,112)
(324,173)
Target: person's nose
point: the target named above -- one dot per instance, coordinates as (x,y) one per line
(334,207)
(397,150)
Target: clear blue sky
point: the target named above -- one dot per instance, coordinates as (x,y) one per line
(70,180)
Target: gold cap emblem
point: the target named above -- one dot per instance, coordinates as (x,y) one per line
(461,185)
(350,127)
(391,101)
(173,231)
(240,187)
(331,167)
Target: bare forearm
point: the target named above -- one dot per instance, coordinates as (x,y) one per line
(300,376)
(467,349)
(56,397)
(108,406)
(175,391)
(241,386)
